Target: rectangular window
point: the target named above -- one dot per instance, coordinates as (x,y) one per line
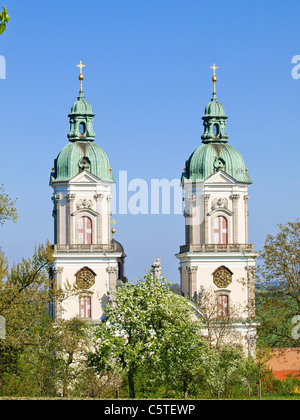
(85,231)
(220,231)
(85,304)
(223,305)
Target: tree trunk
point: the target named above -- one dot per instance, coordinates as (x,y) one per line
(66,375)
(131,385)
(185,388)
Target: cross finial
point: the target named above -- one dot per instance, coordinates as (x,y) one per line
(214,78)
(113,231)
(214,67)
(80,65)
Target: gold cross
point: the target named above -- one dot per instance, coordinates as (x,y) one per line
(80,66)
(214,67)
(214,78)
(81,75)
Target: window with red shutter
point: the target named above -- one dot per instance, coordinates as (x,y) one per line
(220,231)
(85,231)
(86,307)
(223,305)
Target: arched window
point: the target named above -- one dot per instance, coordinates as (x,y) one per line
(85,231)
(216,130)
(220,231)
(82,128)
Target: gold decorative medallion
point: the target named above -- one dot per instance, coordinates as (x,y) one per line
(85,278)
(222,277)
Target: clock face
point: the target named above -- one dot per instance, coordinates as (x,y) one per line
(222,278)
(85,279)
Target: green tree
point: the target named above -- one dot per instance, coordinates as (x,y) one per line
(24,303)
(229,367)
(24,292)
(38,353)
(8,210)
(72,346)
(278,287)
(183,354)
(148,325)
(27,355)
(4,19)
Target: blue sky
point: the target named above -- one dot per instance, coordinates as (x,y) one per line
(148,79)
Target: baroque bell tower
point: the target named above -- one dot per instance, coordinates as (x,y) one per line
(216,255)
(84,251)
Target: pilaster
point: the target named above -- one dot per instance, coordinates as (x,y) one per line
(235,199)
(57,199)
(205,218)
(246,198)
(192,276)
(70,198)
(113,277)
(57,273)
(99,199)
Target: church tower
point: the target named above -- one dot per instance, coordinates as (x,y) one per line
(217,255)
(84,250)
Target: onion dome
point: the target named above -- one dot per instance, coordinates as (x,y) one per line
(213,157)
(215,154)
(81,153)
(80,156)
(81,120)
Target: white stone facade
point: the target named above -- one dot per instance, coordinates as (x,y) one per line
(87,198)
(220,196)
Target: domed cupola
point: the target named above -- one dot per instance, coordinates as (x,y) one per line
(81,120)
(215,154)
(81,117)
(81,153)
(214,119)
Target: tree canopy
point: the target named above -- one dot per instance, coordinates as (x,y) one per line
(148,325)
(278,287)
(4,19)
(8,210)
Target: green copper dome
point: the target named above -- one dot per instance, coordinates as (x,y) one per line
(214,122)
(214,108)
(215,154)
(81,107)
(212,157)
(81,120)
(79,156)
(81,153)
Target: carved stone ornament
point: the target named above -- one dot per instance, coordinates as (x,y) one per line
(58,198)
(219,203)
(192,269)
(112,270)
(70,197)
(57,270)
(235,197)
(81,204)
